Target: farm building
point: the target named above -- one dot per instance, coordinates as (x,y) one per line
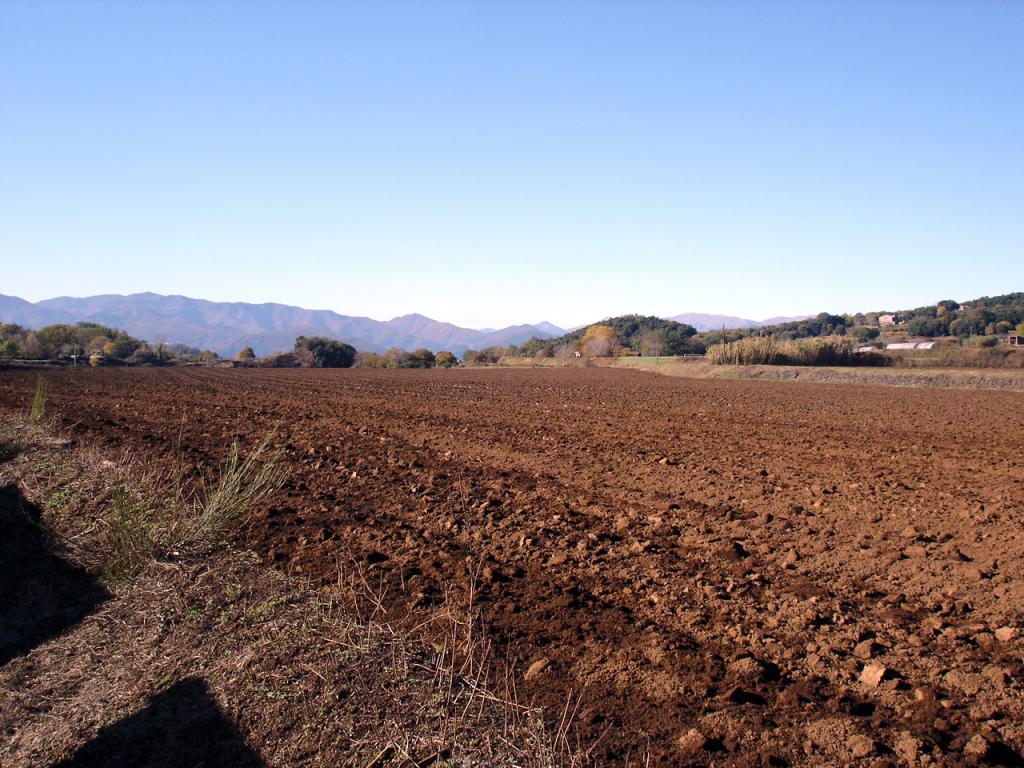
(912,345)
(1015,340)
(887,320)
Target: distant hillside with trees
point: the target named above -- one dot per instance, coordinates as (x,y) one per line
(91,342)
(986,316)
(637,334)
(97,344)
(976,323)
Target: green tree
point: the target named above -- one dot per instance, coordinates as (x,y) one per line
(487,356)
(925,325)
(246,355)
(535,348)
(865,334)
(121,347)
(974,321)
(144,355)
(422,358)
(677,339)
(327,353)
(53,337)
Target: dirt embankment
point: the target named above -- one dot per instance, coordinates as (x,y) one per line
(734,572)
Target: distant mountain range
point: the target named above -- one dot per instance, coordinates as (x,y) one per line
(704,322)
(226,327)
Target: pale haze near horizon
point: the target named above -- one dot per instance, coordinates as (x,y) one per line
(491,164)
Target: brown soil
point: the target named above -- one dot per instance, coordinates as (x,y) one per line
(204,656)
(744,573)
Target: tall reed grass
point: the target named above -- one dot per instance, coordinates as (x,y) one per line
(770,350)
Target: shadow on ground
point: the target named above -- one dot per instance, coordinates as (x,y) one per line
(41,595)
(181,728)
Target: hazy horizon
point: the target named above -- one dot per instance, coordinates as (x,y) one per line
(489,165)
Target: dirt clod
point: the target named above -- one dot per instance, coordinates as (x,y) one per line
(977,747)
(866,649)
(1006,634)
(907,747)
(873,674)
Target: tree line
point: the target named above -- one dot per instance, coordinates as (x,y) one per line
(987,316)
(321,352)
(94,343)
(979,320)
(984,317)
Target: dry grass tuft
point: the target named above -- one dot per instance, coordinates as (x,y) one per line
(242,486)
(119,517)
(38,408)
(131,542)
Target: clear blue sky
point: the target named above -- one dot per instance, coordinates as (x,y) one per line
(490,163)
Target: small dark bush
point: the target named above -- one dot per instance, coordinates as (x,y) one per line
(327,353)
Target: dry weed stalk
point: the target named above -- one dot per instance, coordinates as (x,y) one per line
(38,408)
(470,684)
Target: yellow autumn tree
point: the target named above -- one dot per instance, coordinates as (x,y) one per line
(599,341)
(445,359)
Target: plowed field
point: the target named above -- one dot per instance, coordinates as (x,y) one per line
(727,572)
